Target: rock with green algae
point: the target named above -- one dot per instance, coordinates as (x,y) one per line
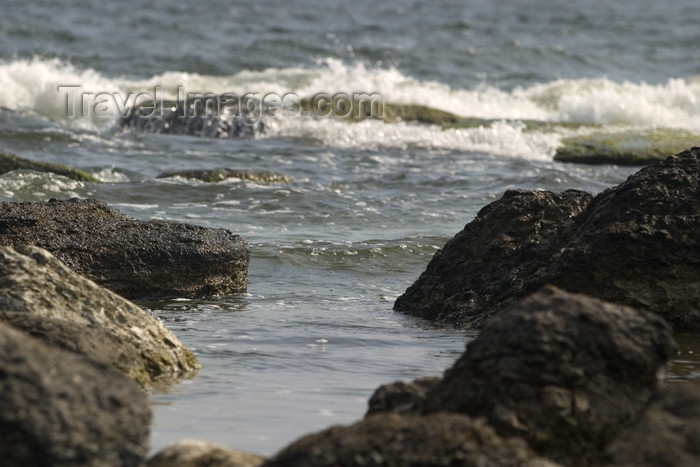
(221,174)
(40,295)
(630,147)
(10,162)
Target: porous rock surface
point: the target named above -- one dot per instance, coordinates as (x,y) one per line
(409,441)
(62,409)
(637,244)
(563,371)
(136,259)
(39,294)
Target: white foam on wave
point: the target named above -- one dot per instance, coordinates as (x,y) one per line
(32,85)
(505,138)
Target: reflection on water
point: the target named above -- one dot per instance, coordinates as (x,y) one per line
(686,364)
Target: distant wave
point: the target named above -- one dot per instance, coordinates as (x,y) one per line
(31,85)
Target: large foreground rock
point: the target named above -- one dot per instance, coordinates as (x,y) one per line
(407,441)
(195,453)
(61,409)
(136,259)
(667,434)
(565,372)
(637,244)
(41,295)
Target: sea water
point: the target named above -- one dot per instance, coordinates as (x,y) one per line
(370,202)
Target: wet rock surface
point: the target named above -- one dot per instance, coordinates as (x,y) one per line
(404,440)
(222,174)
(637,244)
(62,409)
(563,371)
(195,453)
(39,294)
(136,259)
(212,116)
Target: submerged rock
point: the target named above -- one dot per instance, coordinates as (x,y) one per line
(61,409)
(212,116)
(40,295)
(563,371)
(637,244)
(667,433)
(194,453)
(136,259)
(10,162)
(396,440)
(372,106)
(221,174)
(626,147)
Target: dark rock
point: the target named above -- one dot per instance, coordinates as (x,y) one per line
(636,244)
(397,440)
(666,435)
(61,409)
(505,253)
(194,453)
(221,174)
(136,259)
(400,397)
(10,162)
(565,372)
(40,295)
(213,116)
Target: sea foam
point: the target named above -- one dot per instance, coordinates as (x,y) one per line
(32,85)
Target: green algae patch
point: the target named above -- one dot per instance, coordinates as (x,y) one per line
(222,174)
(394,113)
(631,147)
(360,109)
(10,162)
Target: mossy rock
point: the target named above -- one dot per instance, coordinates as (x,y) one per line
(627,147)
(221,174)
(362,109)
(10,162)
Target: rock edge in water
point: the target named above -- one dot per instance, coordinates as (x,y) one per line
(630,147)
(136,259)
(637,244)
(10,162)
(223,173)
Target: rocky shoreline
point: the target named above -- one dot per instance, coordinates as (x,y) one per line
(575,297)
